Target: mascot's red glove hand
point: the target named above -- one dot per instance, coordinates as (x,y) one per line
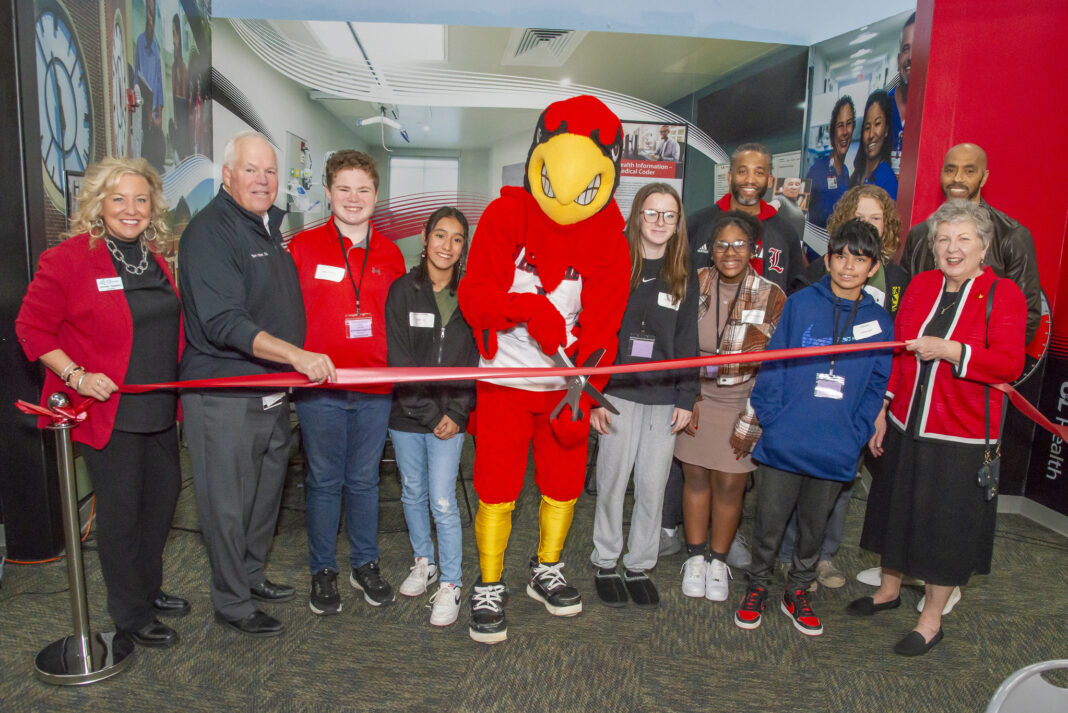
(572,433)
(544,322)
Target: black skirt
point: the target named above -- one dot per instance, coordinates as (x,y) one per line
(926,515)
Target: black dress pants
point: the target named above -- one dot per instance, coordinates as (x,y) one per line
(136,478)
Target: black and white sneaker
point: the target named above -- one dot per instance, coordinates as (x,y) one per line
(368,579)
(487,625)
(324,595)
(548,586)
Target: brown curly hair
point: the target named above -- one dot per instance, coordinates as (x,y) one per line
(846,209)
(100,179)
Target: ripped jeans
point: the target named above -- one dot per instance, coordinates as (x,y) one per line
(429,467)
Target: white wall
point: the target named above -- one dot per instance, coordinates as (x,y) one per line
(509,150)
(282,104)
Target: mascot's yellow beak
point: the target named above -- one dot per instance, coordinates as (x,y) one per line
(570,178)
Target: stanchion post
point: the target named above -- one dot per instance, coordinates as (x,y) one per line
(82,657)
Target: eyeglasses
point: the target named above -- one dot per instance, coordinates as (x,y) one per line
(720,246)
(651,216)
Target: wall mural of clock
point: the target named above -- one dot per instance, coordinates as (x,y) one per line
(117,75)
(64,102)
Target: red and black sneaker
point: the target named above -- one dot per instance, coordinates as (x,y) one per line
(752,607)
(795,605)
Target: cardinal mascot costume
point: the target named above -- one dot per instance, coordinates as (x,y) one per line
(549,270)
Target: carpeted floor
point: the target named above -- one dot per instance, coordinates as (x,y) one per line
(685,656)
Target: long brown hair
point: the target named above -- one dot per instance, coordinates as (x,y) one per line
(423,274)
(676,269)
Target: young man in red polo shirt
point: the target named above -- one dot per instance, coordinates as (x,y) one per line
(346,268)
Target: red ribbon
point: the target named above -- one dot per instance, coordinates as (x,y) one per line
(349,377)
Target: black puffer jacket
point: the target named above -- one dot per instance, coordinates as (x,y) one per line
(419,406)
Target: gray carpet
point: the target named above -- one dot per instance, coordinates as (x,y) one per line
(685,656)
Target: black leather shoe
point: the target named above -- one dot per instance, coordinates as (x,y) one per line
(866,606)
(166,605)
(610,588)
(268,591)
(154,635)
(641,589)
(914,644)
(257,623)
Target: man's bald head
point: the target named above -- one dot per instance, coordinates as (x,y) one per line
(964,172)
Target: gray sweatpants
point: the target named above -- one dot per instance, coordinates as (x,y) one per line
(638,439)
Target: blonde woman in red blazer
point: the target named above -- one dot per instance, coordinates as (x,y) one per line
(103,309)
(926,514)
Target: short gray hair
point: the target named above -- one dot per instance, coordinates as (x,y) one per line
(230,151)
(960,210)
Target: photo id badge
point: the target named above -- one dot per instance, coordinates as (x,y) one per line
(357,326)
(712,371)
(641,345)
(829,386)
(832,183)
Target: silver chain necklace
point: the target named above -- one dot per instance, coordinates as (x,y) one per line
(117,254)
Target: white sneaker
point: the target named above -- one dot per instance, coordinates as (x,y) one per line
(873,577)
(445,605)
(717,586)
(423,574)
(693,576)
(954,597)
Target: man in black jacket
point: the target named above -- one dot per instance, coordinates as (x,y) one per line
(1012,251)
(243,314)
(778,256)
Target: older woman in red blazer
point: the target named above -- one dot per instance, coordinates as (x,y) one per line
(926,514)
(102,309)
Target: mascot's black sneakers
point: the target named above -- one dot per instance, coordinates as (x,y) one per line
(548,586)
(487,624)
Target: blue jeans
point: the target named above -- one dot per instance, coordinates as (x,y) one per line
(428,467)
(344,433)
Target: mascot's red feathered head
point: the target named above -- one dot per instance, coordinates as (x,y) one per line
(573,165)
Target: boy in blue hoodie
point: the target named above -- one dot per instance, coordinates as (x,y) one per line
(817,413)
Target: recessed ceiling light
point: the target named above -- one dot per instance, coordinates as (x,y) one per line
(860,53)
(862,37)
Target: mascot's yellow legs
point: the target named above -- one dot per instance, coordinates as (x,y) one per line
(493,525)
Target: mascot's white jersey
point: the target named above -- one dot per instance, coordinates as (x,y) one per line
(516,348)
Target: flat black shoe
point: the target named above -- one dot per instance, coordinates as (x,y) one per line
(866,606)
(154,635)
(915,645)
(166,605)
(641,590)
(257,623)
(610,588)
(268,591)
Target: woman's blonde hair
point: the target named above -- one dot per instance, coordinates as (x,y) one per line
(846,209)
(101,178)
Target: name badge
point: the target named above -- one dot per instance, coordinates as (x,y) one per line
(832,183)
(329,272)
(641,346)
(829,386)
(712,371)
(752,316)
(868,329)
(357,326)
(420,319)
(665,300)
(272,400)
(107,284)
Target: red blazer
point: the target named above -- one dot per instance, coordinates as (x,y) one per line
(952,406)
(65,309)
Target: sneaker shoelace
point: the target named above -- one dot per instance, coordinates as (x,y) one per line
(726,570)
(690,571)
(752,600)
(451,593)
(549,576)
(801,606)
(373,576)
(489,596)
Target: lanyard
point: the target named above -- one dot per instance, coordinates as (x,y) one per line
(345,255)
(836,336)
(730,310)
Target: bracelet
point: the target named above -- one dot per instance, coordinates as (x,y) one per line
(63,374)
(74,371)
(78,388)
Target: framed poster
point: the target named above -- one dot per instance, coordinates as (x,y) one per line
(651,152)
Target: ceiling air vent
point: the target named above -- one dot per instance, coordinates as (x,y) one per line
(540,47)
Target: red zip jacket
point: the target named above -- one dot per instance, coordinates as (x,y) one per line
(329,295)
(65,309)
(952,406)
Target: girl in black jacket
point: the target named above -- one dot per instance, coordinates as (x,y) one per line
(424,327)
